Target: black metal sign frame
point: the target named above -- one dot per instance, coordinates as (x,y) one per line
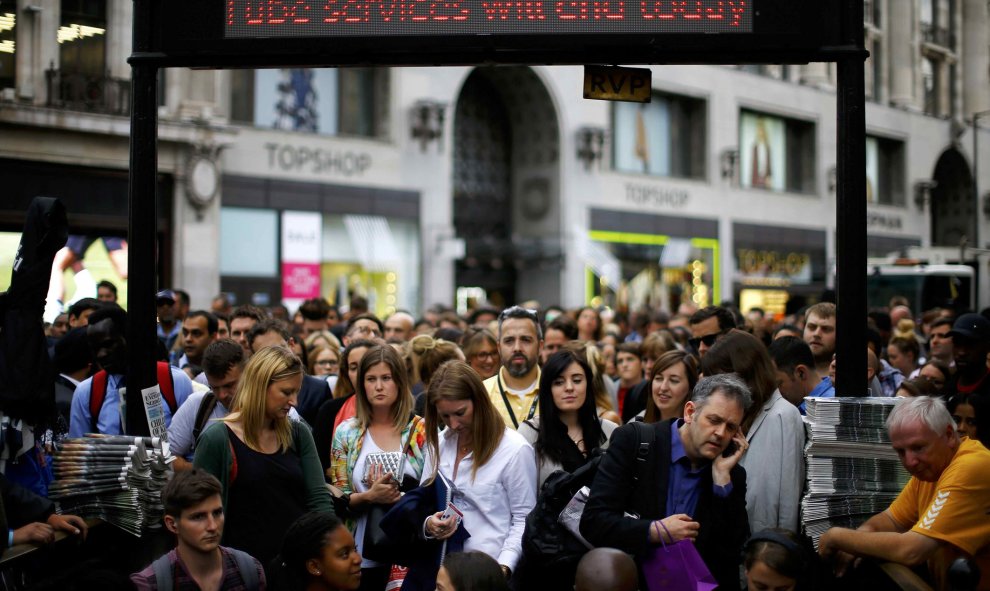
(193,33)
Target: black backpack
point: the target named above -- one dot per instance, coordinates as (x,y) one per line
(550,552)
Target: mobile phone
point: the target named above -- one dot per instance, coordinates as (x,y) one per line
(731,449)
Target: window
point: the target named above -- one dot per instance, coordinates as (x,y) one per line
(665,137)
(930,85)
(249,242)
(776,154)
(884,171)
(346,101)
(8,35)
(82,37)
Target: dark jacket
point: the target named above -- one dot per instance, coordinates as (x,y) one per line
(635,401)
(615,491)
(314,392)
(19,507)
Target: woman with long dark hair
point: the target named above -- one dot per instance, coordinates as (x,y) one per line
(567,431)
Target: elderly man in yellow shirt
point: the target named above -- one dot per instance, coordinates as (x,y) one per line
(515,389)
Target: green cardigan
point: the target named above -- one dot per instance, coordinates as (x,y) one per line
(214,454)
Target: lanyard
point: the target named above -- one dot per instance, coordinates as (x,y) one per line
(508,407)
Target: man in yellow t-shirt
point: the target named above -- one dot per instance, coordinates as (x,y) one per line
(515,389)
(944,510)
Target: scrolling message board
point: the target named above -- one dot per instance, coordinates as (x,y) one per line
(211,33)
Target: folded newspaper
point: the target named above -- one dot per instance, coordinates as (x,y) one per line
(114,478)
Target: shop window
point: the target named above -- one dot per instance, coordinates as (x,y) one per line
(82,37)
(8,36)
(345,101)
(776,154)
(665,137)
(885,171)
(635,271)
(249,241)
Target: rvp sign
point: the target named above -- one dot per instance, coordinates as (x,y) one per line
(617,84)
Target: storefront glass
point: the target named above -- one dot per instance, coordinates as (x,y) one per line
(651,270)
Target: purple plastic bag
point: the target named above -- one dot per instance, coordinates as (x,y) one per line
(677,567)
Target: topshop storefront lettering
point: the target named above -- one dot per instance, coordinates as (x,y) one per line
(317,160)
(656,196)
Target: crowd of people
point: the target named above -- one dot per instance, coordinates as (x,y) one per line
(332,449)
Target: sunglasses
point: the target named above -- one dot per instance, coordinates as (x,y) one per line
(708,340)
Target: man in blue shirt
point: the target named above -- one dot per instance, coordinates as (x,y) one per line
(106,341)
(681,479)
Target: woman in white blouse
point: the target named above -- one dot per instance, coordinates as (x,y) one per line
(491,467)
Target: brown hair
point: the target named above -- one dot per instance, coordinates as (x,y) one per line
(428,354)
(741,353)
(403,406)
(455,380)
(668,360)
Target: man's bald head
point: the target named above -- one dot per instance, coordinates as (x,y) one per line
(606,568)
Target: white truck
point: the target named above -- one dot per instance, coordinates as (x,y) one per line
(931,277)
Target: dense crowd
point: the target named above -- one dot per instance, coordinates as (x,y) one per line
(526,448)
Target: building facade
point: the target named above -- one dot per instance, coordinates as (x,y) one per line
(412,186)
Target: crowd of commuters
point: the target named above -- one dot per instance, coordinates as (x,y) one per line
(309,445)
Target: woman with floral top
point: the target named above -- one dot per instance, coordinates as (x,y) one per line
(374,453)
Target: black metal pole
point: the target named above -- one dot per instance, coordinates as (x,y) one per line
(142,227)
(850,212)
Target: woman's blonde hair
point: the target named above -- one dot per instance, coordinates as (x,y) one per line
(403,407)
(267,366)
(323,337)
(428,354)
(455,380)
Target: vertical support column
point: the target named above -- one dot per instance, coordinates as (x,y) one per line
(901,50)
(850,210)
(142,229)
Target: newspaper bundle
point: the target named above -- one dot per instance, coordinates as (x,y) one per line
(114,478)
(852,470)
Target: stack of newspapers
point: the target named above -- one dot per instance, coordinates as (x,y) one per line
(853,472)
(115,478)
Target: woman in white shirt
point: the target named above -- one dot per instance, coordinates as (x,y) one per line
(491,468)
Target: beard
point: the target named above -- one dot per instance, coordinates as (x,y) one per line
(518,370)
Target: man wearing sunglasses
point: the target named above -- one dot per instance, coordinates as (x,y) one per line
(708,325)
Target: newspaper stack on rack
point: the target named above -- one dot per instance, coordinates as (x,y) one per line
(115,478)
(853,472)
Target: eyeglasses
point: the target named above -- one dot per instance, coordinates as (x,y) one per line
(486,355)
(708,340)
(328,363)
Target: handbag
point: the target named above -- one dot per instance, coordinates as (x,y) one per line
(677,566)
(377,545)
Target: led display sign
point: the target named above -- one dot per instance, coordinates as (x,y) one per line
(277,33)
(344,18)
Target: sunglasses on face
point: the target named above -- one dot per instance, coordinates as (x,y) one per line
(708,340)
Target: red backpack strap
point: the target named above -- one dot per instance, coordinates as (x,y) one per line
(167,386)
(97,394)
(233,464)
